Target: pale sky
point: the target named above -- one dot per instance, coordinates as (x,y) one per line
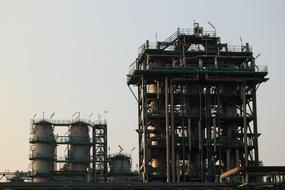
(65,56)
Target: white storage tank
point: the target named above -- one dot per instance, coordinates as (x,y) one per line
(120,164)
(120,169)
(42,151)
(79,153)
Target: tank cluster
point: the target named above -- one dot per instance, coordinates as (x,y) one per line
(85,157)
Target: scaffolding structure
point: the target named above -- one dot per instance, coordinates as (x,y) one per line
(196,107)
(85,157)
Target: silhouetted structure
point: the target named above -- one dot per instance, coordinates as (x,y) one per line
(196,107)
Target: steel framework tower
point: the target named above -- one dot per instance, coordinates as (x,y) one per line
(196,106)
(100,160)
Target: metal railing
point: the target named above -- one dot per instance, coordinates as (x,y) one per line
(237,49)
(47,139)
(36,172)
(66,158)
(261,68)
(73,140)
(189,31)
(42,156)
(232,68)
(162,46)
(120,154)
(133,67)
(174,36)
(193,113)
(69,122)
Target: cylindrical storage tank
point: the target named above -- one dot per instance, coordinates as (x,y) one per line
(42,151)
(120,168)
(79,152)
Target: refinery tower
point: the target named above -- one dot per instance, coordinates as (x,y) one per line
(196,106)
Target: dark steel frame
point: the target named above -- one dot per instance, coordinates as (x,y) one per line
(194,137)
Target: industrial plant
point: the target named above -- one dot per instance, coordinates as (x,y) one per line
(197,126)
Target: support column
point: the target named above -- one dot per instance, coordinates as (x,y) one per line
(243,91)
(145,150)
(172,134)
(167,130)
(94,153)
(255,131)
(200,134)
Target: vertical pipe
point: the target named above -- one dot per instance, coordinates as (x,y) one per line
(189,145)
(216,62)
(208,130)
(228,151)
(183,52)
(256,152)
(167,129)
(244,125)
(200,134)
(106,153)
(183,148)
(245,129)
(215,134)
(94,152)
(189,137)
(237,158)
(219,125)
(200,144)
(140,130)
(172,133)
(145,175)
(178,168)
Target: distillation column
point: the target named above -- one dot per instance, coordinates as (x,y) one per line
(79,152)
(42,151)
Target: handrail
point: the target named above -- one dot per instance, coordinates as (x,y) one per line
(132,67)
(73,139)
(38,155)
(120,154)
(189,31)
(69,122)
(164,44)
(235,48)
(256,68)
(35,138)
(158,46)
